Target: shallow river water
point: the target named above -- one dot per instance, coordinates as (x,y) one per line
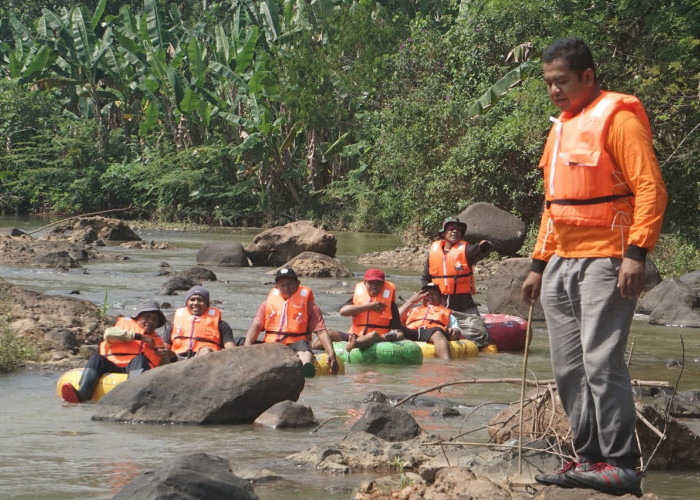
(54,450)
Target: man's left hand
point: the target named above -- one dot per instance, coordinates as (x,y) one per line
(631,279)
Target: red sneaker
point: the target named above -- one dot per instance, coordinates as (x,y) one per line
(69,394)
(559,477)
(609,479)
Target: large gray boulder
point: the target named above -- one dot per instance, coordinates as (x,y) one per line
(671,303)
(288,414)
(275,246)
(317,265)
(692,280)
(504,294)
(386,422)
(233,386)
(194,477)
(488,222)
(222,253)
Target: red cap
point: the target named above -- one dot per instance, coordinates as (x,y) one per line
(373,274)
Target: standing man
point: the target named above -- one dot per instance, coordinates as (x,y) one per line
(289,315)
(604,204)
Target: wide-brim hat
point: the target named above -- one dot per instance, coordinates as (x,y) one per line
(149,306)
(453,220)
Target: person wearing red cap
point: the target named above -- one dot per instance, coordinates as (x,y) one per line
(289,315)
(373,310)
(198,328)
(450,265)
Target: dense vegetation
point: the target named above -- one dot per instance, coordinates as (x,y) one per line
(356,113)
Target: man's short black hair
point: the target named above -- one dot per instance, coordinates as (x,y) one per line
(574,51)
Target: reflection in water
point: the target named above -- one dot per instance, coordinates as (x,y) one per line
(53,449)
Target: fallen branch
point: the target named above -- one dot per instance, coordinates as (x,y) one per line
(513,380)
(670,402)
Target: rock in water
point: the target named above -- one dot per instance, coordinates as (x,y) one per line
(233,386)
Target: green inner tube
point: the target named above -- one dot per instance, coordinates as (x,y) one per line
(402,352)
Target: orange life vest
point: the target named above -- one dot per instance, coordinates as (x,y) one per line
(428,317)
(579,184)
(450,271)
(191,333)
(287,321)
(369,321)
(121,353)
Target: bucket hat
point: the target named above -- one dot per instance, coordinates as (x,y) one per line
(149,306)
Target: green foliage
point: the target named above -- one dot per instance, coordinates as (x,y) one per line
(674,256)
(14,351)
(354,113)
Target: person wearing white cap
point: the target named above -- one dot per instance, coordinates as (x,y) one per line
(198,328)
(289,315)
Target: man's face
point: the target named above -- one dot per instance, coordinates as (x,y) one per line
(374,287)
(197,305)
(453,233)
(287,287)
(433,297)
(148,321)
(567,90)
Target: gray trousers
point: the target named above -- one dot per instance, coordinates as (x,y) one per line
(589,322)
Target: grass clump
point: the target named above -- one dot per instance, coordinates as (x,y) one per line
(14,350)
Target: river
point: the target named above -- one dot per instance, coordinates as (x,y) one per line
(52,449)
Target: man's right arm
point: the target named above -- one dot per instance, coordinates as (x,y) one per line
(252,334)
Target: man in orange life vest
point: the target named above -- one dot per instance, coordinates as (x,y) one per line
(289,315)
(131,346)
(373,310)
(450,265)
(604,204)
(435,324)
(198,328)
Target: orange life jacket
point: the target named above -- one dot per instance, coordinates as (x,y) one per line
(191,333)
(450,271)
(428,317)
(121,353)
(578,171)
(287,321)
(369,321)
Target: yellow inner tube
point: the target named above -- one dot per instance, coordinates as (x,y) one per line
(458,349)
(107,382)
(323,367)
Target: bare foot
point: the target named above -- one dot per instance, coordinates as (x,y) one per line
(351,342)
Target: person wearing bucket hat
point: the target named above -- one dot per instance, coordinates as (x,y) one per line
(198,328)
(450,266)
(131,346)
(375,316)
(433,322)
(289,316)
